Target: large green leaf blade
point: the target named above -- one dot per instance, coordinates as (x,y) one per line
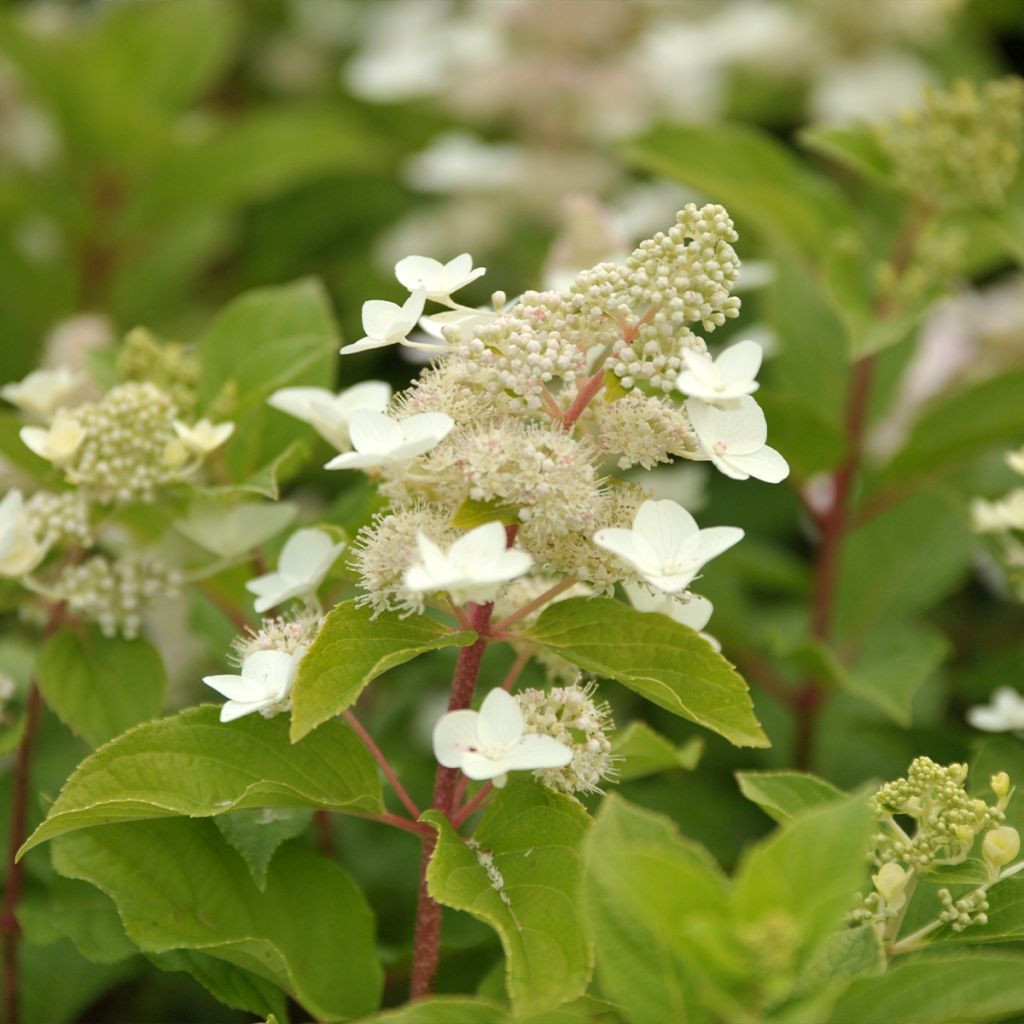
(786,795)
(178,886)
(665,662)
(193,765)
(534,836)
(350,651)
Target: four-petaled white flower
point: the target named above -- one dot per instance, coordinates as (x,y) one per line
(438,279)
(264,684)
(379,440)
(58,442)
(687,609)
(1004,714)
(328,413)
(204,436)
(488,743)
(666,546)
(472,569)
(20,552)
(387,323)
(732,375)
(733,437)
(304,561)
(43,391)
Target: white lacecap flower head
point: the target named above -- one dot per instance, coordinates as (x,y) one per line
(20,550)
(203,437)
(304,562)
(381,441)
(437,279)
(43,391)
(58,442)
(665,545)
(489,743)
(328,413)
(472,569)
(1005,713)
(686,608)
(732,375)
(734,438)
(387,323)
(263,685)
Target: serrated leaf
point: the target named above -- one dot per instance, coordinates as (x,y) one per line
(472,513)
(192,764)
(534,836)
(350,651)
(971,872)
(256,834)
(646,752)
(100,686)
(177,885)
(665,662)
(786,795)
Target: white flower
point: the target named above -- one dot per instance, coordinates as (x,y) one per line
(204,437)
(387,323)
(999,516)
(263,685)
(438,279)
(666,546)
(381,441)
(687,609)
(472,569)
(731,375)
(20,552)
(328,413)
(1015,460)
(733,438)
(303,564)
(488,743)
(42,391)
(1004,714)
(58,442)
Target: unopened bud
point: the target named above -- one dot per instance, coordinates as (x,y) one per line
(890,881)
(1000,784)
(175,454)
(1001,845)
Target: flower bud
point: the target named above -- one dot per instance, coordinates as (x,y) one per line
(890,881)
(1000,846)
(1000,784)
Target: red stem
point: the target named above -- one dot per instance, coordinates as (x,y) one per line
(427,939)
(590,388)
(385,766)
(464,812)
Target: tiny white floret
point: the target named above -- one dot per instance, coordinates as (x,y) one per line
(438,279)
(43,391)
(732,375)
(733,437)
(263,685)
(20,551)
(328,413)
(58,442)
(472,569)
(379,440)
(666,546)
(304,562)
(203,437)
(387,323)
(1005,713)
(489,743)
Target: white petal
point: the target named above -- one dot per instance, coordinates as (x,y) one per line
(364,345)
(368,394)
(420,272)
(412,310)
(480,767)
(714,540)
(271,670)
(297,402)
(536,752)
(380,317)
(666,526)
(37,439)
(233,709)
(353,460)
(766,464)
(304,554)
(694,612)
(632,549)
(454,734)
(988,719)
(501,721)
(728,466)
(425,427)
(374,433)
(480,547)
(236,688)
(739,363)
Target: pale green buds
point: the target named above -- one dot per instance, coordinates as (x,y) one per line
(891,881)
(1000,846)
(1000,784)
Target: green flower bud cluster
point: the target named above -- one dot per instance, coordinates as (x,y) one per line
(59,518)
(963,146)
(965,911)
(170,365)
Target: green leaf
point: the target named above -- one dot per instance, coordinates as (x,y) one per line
(986,415)
(444,1010)
(534,836)
(658,907)
(191,764)
(855,147)
(947,989)
(810,442)
(904,560)
(753,175)
(472,513)
(231,531)
(177,885)
(350,651)
(785,795)
(267,479)
(665,662)
(806,875)
(256,834)
(971,872)
(99,686)
(646,752)
(897,659)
